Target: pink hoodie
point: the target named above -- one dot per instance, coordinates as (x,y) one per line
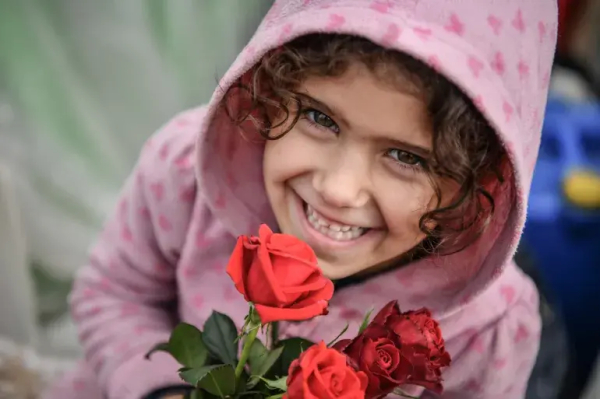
(198,185)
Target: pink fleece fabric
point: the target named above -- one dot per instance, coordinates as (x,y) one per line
(198,185)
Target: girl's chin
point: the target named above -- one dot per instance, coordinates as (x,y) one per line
(339,270)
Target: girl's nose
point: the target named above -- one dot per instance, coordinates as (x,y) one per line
(342,185)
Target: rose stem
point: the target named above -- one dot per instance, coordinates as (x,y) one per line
(274,334)
(246,350)
(275,396)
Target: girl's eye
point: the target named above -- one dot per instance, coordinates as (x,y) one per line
(320,119)
(405,157)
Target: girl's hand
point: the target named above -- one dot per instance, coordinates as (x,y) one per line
(176,396)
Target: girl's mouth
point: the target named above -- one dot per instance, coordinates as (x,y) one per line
(330,229)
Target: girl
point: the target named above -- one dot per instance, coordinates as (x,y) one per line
(397,138)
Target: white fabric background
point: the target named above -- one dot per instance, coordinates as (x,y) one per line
(82,84)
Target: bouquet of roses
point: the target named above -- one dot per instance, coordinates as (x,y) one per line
(394,349)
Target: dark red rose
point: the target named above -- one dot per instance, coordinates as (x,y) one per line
(323,373)
(417,329)
(399,348)
(279,274)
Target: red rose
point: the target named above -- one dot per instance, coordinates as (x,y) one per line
(323,373)
(417,329)
(279,274)
(399,348)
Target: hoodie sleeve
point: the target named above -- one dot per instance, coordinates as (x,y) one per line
(496,362)
(122,300)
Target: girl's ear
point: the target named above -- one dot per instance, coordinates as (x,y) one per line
(430,224)
(434,203)
(449,190)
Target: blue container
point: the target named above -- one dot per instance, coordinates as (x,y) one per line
(565,240)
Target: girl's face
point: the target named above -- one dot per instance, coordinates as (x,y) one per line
(349,179)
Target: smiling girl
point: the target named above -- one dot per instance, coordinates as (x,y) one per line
(367,177)
(397,138)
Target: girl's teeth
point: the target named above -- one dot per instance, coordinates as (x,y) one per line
(335,231)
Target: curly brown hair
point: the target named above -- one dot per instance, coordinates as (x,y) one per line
(465,147)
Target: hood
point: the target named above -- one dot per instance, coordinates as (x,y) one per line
(499,52)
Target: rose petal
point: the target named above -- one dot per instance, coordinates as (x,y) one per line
(262,284)
(393,352)
(315,283)
(309,258)
(317,387)
(264,233)
(363,380)
(269,314)
(287,241)
(391,309)
(324,294)
(409,331)
(293,272)
(235,268)
(322,373)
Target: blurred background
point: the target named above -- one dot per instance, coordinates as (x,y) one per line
(84,82)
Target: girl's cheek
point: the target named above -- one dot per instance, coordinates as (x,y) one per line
(405,205)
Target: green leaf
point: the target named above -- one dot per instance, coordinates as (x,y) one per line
(269,361)
(219,381)
(365,322)
(292,348)
(278,384)
(187,346)
(339,335)
(162,347)
(220,336)
(242,384)
(193,376)
(258,352)
(263,363)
